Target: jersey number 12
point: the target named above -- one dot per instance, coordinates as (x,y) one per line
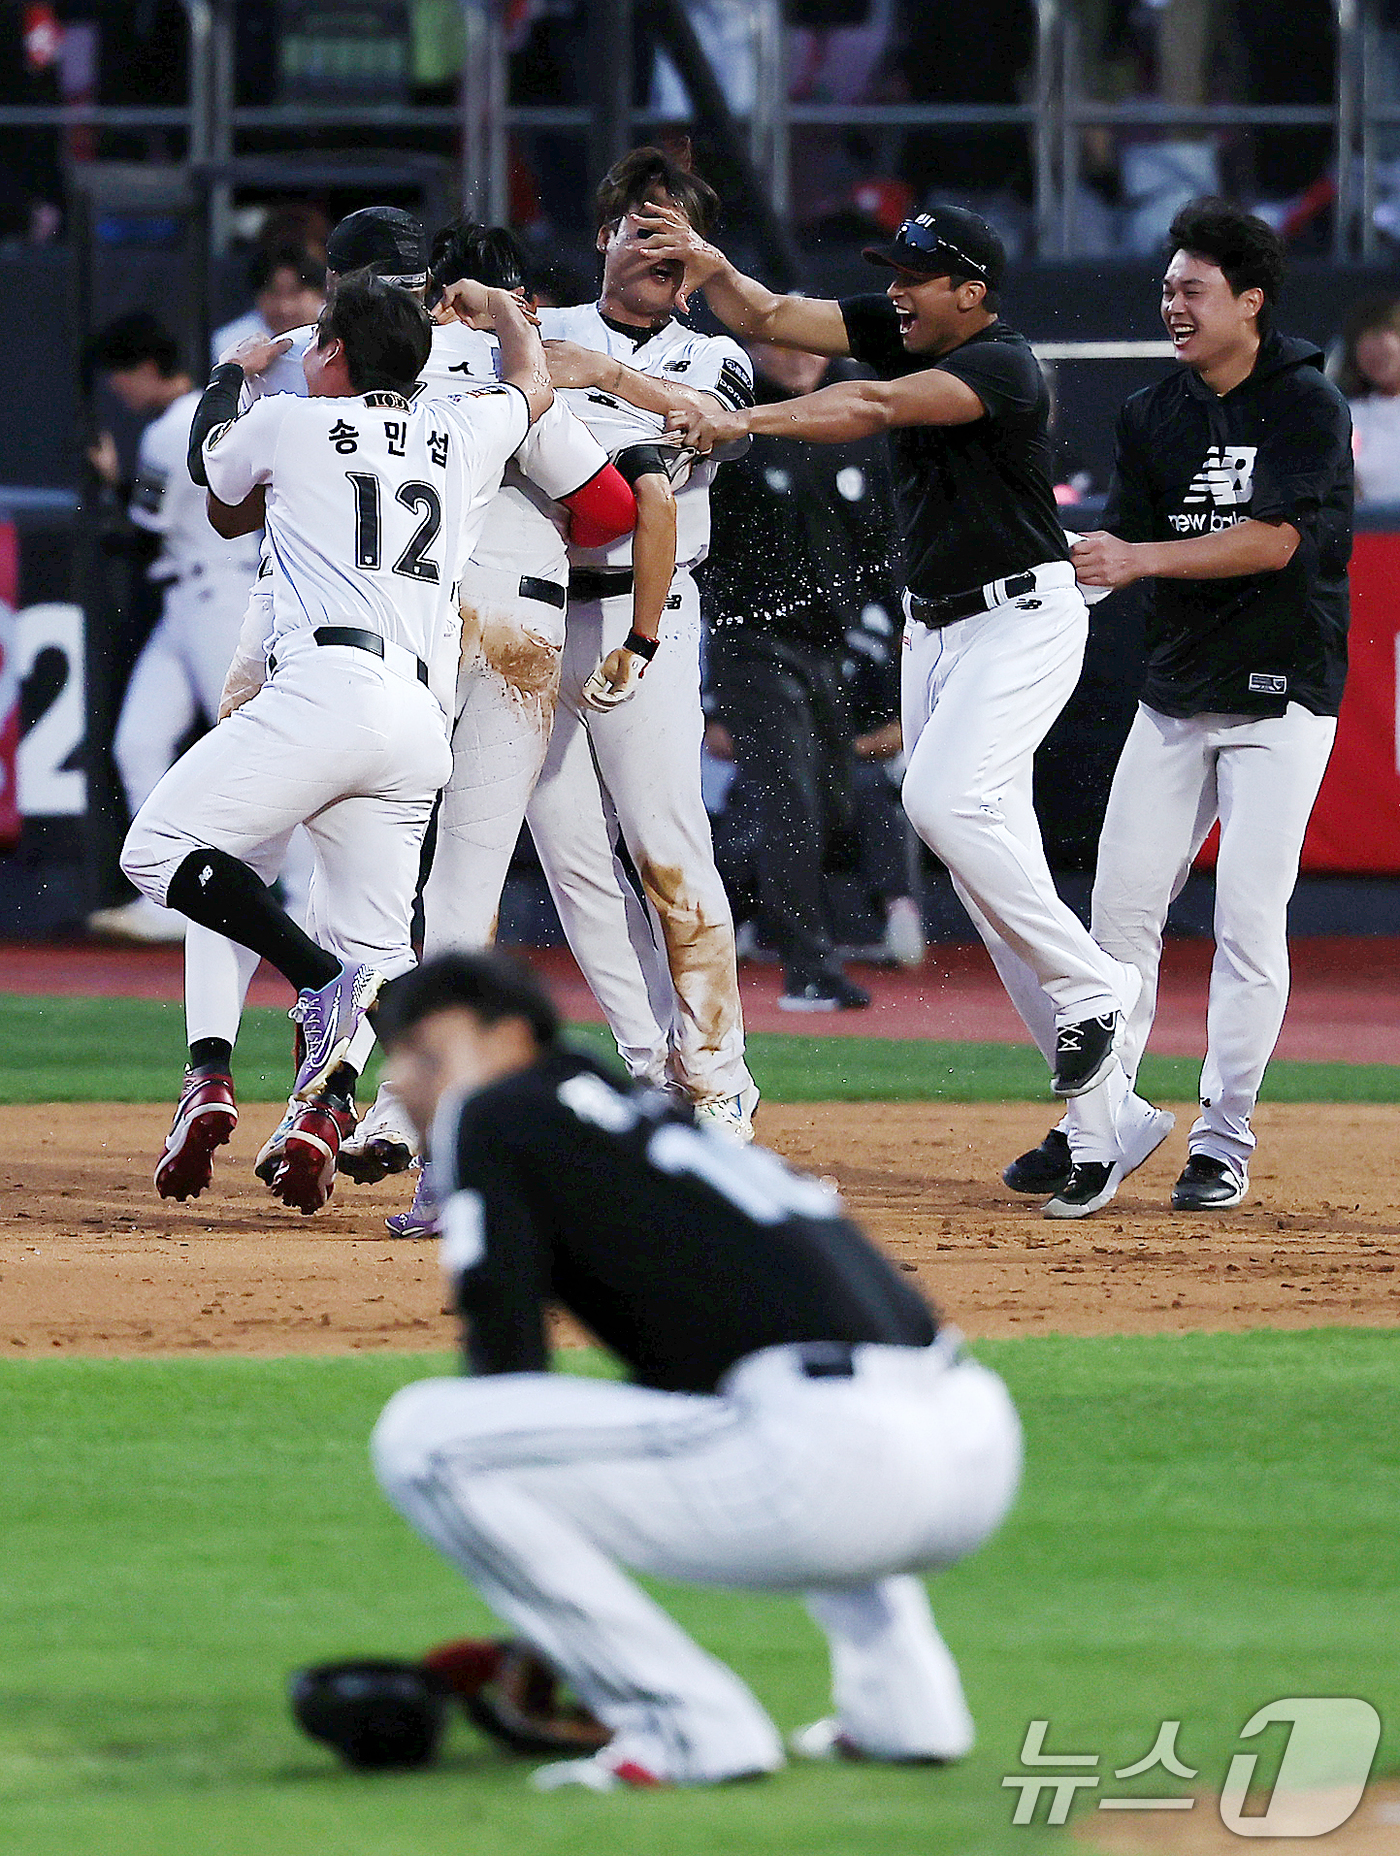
(369,527)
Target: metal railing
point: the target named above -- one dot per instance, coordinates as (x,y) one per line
(1054,117)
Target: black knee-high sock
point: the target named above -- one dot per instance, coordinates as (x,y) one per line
(219,892)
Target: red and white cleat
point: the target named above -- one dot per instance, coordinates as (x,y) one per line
(298,1162)
(205,1116)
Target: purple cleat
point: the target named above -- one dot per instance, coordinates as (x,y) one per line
(329,1017)
(421,1218)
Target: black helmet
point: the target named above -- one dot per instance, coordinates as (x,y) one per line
(375,1713)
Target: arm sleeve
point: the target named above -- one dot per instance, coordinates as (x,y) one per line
(560,454)
(602,510)
(218,406)
(237,455)
(1128,512)
(492,1252)
(872,333)
(642,461)
(1300,456)
(1004,375)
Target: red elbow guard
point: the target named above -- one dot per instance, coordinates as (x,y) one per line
(602,510)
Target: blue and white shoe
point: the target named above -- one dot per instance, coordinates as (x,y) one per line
(329,1017)
(421,1218)
(731,1116)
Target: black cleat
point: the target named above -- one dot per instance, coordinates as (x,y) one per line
(1083,1054)
(1207,1185)
(1043,1169)
(1091,1184)
(827,992)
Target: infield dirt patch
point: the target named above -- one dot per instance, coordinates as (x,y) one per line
(92,1262)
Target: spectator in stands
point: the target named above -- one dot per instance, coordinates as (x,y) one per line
(1369,375)
(801,547)
(288,283)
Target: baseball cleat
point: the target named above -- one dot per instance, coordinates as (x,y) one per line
(328,1017)
(598,1774)
(1091,1183)
(826,1739)
(304,1175)
(1041,1169)
(1084,1054)
(1208,1185)
(731,1116)
(270,1153)
(383,1143)
(421,1218)
(205,1117)
(827,992)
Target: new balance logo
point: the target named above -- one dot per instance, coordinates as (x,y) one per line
(1225,478)
(205,875)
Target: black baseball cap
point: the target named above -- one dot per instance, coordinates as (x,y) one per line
(941,242)
(383,239)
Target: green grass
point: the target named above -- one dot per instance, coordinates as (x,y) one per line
(131,1050)
(1207,1525)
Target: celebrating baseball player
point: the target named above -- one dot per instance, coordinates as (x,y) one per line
(995,626)
(1232,497)
(372,507)
(623,768)
(797,1419)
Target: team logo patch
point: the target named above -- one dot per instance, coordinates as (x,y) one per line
(1265,683)
(1030,605)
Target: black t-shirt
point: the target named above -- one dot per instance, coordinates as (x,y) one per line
(1191,462)
(976,502)
(801,537)
(680,1250)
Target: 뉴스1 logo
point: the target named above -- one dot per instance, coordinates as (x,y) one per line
(1321,1776)
(1264,683)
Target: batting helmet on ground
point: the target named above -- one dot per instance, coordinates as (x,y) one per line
(375,1713)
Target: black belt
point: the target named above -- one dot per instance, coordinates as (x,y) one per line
(360,640)
(599,582)
(936,613)
(549,591)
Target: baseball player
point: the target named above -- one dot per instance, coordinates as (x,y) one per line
(654,934)
(218,971)
(1232,496)
(203,580)
(995,626)
(559,486)
(288,284)
(797,1419)
(372,509)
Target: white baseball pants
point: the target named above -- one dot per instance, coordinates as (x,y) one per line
(335,741)
(507,690)
(179,673)
(540,1486)
(1259,777)
(663,970)
(978,697)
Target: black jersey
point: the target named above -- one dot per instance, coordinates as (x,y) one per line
(1191,461)
(976,502)
(681,1250)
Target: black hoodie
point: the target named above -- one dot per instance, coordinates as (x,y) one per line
(1191,461)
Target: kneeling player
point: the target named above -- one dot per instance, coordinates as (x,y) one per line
(797,1420)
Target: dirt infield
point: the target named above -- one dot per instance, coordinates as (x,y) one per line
(92,1262)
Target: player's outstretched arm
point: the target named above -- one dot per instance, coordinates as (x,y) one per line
(1249,547)
(742,304)
(522,355)
(571,365)
(834,415)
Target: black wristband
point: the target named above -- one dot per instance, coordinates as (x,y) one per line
(644,647)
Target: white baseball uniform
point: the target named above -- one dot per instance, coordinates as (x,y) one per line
(204,581)
(662,963)
(372,509)
(513,598)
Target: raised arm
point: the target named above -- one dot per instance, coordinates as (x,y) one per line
(743,304)
(517,331)
(834,415)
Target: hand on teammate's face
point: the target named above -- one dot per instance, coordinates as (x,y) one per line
(256,353)
(670,238)
(1101,559)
